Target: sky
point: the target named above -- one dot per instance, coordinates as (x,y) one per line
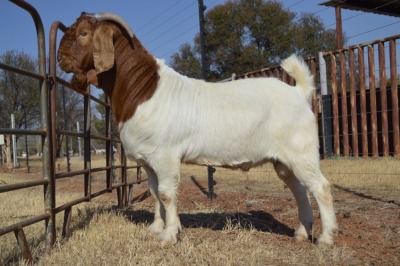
(163,26)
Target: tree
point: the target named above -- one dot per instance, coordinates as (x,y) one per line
(245,35)
(69,108)
(19,95)
(187,61)
(311,36)
(99,121)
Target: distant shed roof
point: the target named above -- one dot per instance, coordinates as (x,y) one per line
(383,7)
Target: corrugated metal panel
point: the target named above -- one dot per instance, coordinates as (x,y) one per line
(383,7)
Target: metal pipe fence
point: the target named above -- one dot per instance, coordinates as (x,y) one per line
(356,108)
(48,83)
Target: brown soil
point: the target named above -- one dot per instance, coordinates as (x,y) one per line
(369,219)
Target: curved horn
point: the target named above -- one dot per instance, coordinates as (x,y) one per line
(112,17)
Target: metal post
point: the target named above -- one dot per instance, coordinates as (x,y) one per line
(339,31)
(322,74)
(79,140)
(65,127)
(204,73)
(211,194)
(326,109)
(14,143)
(204,61)
(26,144)
(48,169)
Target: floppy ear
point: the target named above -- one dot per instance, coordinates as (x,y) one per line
(103,48)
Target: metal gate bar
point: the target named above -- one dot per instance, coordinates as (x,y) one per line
(48,131)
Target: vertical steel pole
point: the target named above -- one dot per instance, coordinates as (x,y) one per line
(66,127)
(326,128)
(14,144)
(204,61)
(48,170)
(79,140)
(52,130)
(204,73)
(339,31)
(86,143)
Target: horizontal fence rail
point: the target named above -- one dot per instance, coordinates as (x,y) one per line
(356,104)
(356,108)
(364,99)
(49,86)
(17,228)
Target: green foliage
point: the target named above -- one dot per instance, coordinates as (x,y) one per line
(187,61)
(246,35)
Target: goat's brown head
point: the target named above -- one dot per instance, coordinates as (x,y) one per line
(87,48)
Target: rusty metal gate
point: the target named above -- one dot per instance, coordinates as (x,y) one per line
(48,89)
(354,120)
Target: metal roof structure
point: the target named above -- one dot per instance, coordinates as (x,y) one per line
(383,7)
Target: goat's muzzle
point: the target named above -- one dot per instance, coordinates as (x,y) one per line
(63,63)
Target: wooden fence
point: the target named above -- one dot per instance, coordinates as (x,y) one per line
(356,104)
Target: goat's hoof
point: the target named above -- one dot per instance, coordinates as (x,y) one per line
(170,235)
(325,240)
(156,228)
(301,233)
(300,238)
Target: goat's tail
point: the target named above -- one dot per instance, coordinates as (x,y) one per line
(298,69)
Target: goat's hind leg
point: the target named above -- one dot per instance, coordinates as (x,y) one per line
(311,177)
(303,203)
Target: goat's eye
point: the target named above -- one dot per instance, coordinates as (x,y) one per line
(83,33)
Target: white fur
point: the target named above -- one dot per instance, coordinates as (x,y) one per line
(239,124)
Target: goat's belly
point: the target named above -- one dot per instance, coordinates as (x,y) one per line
(231,155)
(244,165)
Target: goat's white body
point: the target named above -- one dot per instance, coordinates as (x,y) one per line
(233,124)
(166,118)
(238,124)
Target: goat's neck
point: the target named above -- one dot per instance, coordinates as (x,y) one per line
(133,79)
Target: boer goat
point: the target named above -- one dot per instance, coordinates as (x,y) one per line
(165,119)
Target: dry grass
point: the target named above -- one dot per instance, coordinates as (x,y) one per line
(217,232)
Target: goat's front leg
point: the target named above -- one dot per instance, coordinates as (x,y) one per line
(159,213)
(168,180)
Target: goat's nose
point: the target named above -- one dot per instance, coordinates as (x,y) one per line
(59,57)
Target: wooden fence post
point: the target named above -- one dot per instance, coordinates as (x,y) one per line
(363,102)
(395,95)
(372,100)
(343,91)
(353,105)
(382,79)
(335,108)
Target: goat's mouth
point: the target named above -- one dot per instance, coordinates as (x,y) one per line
(65,66)
(79,81)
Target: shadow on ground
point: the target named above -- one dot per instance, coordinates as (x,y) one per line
(365,196)
(258,220)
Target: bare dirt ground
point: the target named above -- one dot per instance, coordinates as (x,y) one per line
(369,219)
(367,205)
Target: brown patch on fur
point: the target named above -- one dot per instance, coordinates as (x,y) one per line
(131,81)
(135,78)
